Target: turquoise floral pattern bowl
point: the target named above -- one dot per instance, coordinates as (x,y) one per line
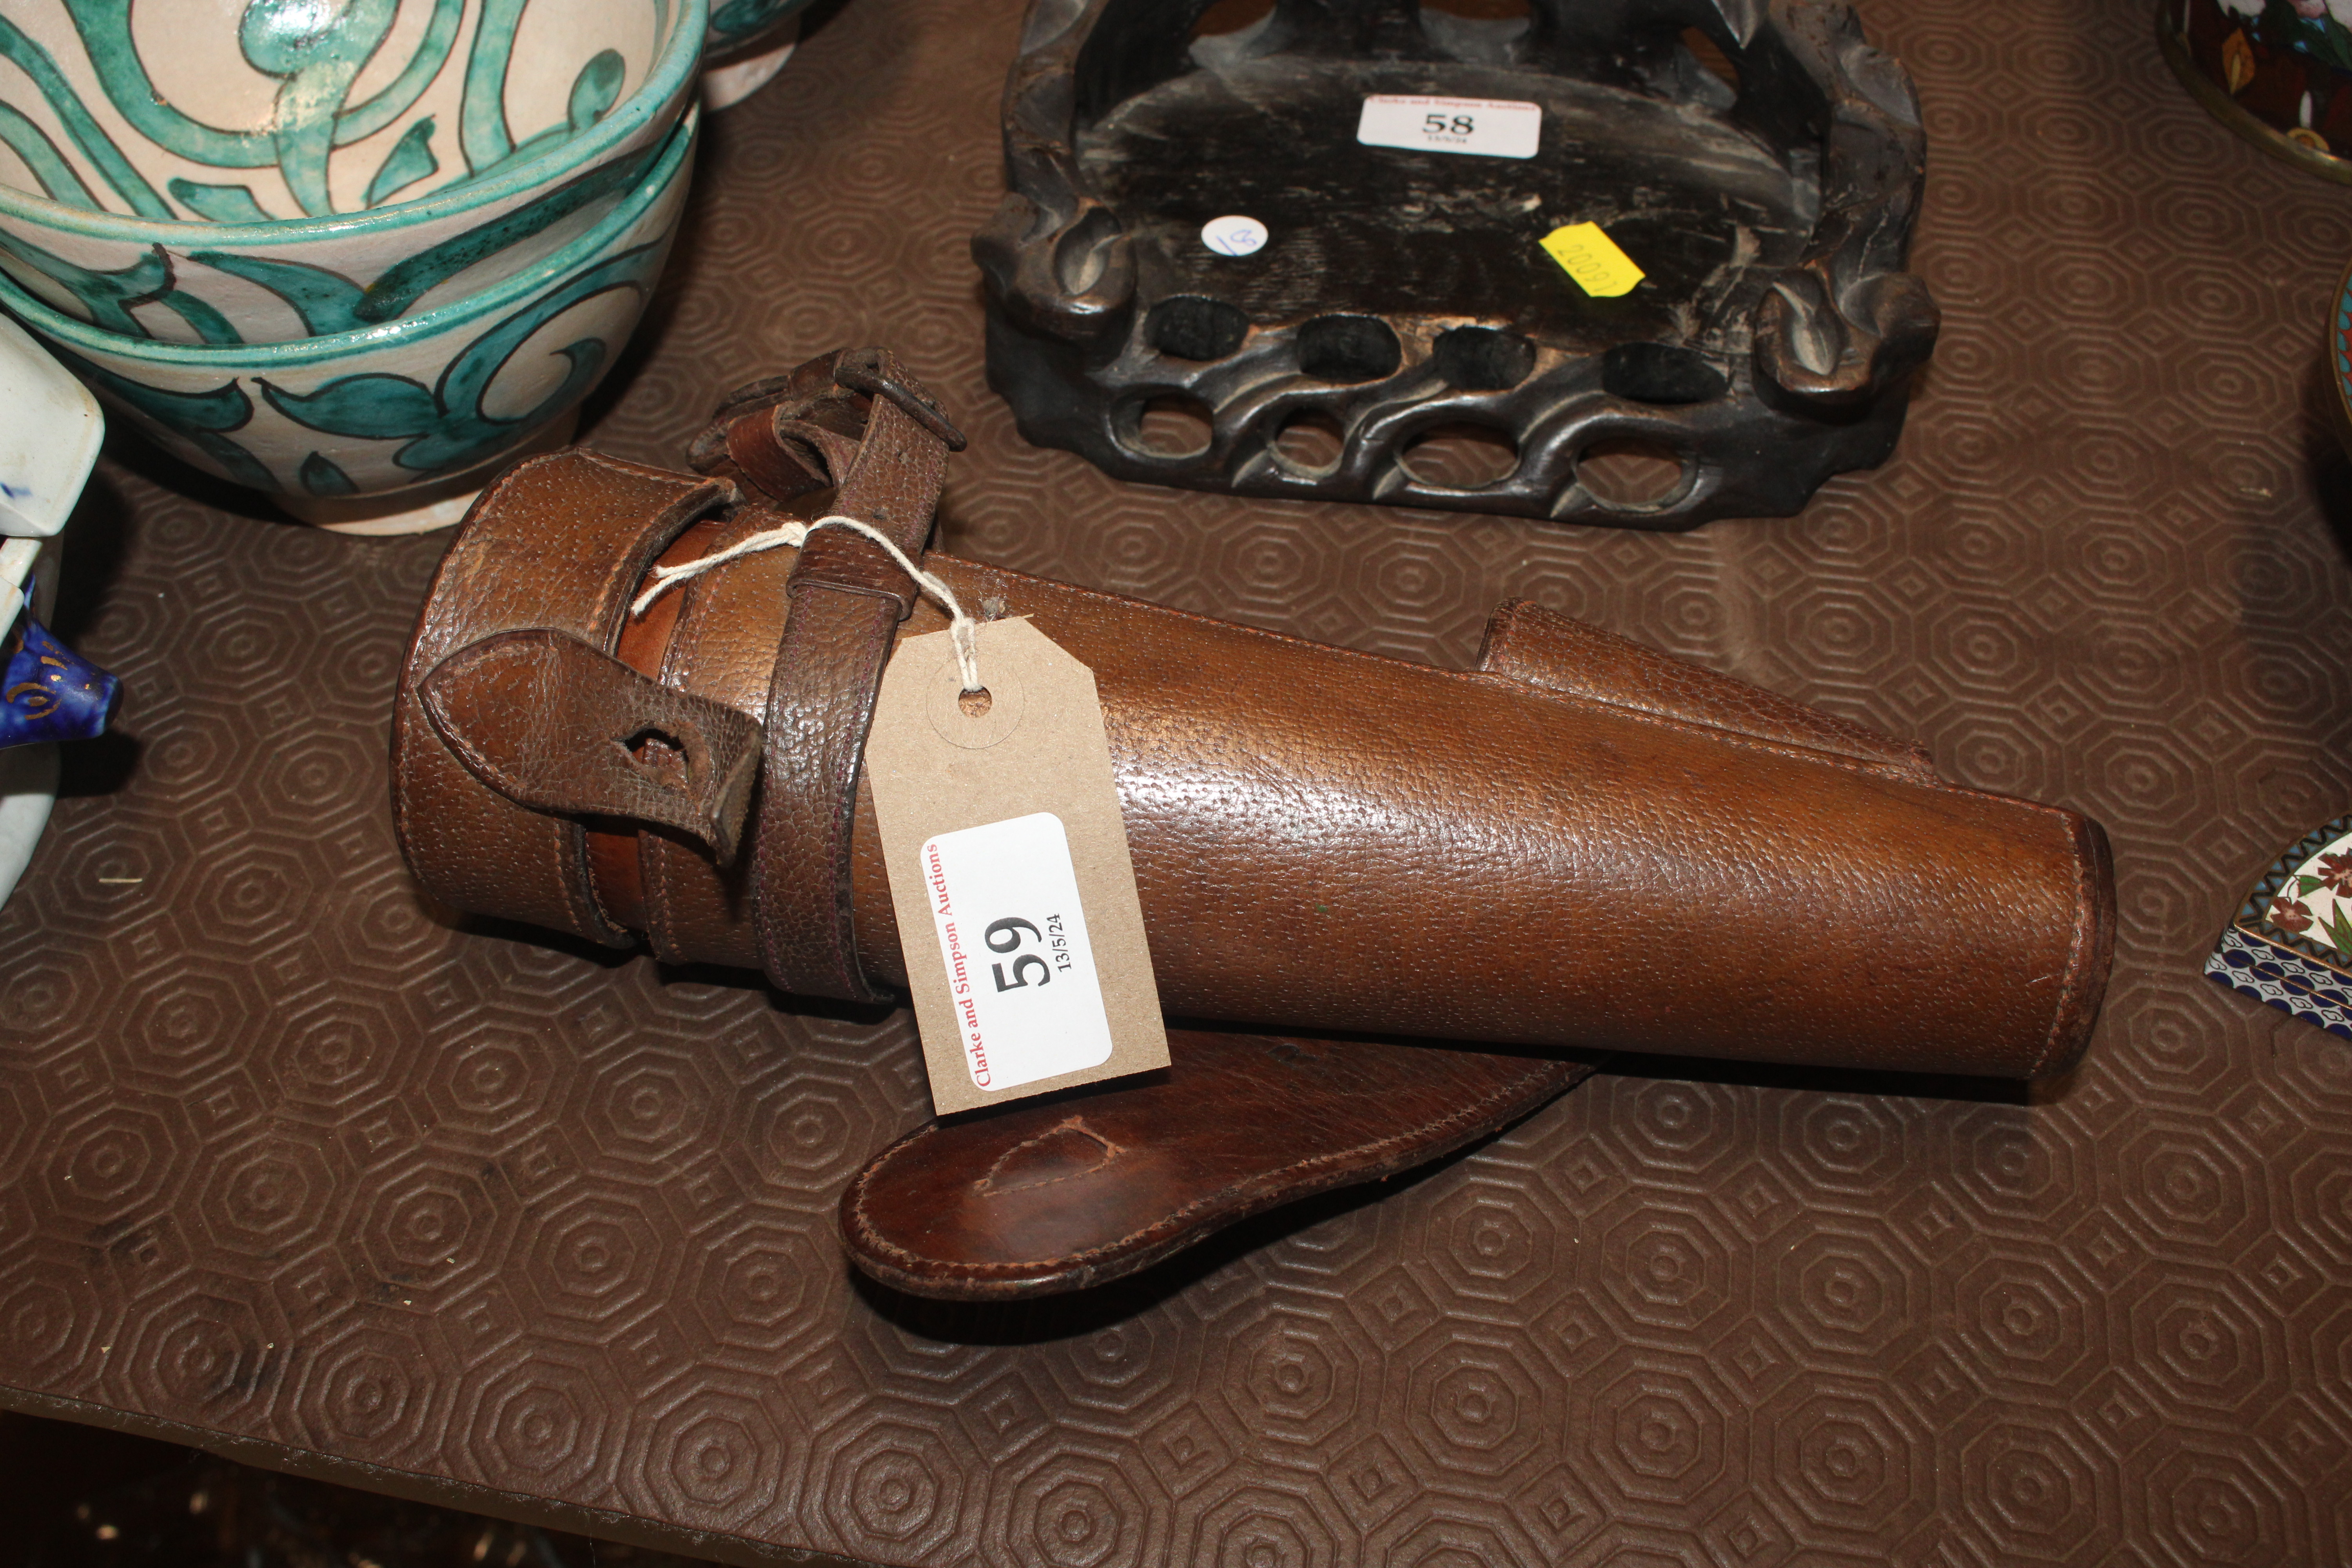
(218,178)
(740,27)
(424,400)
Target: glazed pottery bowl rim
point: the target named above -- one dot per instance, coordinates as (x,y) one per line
(671,162)
(738,44)
(669,79)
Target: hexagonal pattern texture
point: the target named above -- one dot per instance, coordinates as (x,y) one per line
(294,1164)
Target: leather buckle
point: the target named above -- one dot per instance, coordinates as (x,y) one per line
(878,374)
(818,392)
(904,602)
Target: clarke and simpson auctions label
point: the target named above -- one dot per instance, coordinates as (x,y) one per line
(1013,935)
(1490,127)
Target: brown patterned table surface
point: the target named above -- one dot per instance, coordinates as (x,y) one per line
(297,1167)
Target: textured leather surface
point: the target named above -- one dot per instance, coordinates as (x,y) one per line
(1065,1193)
(600,521)
(1337,842)
(1313,827)
(298,1166)
(1527,642)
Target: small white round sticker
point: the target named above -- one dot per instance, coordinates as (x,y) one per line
(1233,235)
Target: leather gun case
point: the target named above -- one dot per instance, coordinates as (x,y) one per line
(1579,844)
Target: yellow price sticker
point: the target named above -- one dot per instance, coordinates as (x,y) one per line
(1588,255)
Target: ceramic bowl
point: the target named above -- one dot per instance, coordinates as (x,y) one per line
(415,411)
(748,44)
(521,123)
(740,28)
(2277,75)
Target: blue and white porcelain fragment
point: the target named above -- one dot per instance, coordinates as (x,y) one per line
(28,775)
(2290,945)
(49,434)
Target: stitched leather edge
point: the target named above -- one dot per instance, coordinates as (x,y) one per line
(2090,955)
(1516,622)
(1173,1232)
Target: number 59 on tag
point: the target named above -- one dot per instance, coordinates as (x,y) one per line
(1005,936)
(1027,1001)
(1008,859)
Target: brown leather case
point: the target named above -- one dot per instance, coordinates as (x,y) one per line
(1580,843)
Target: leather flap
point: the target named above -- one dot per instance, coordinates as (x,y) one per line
(1543,647)
(553,725)
(1062,1193)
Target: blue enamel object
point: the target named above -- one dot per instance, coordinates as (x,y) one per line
(49,692)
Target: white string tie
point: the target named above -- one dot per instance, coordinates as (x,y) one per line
(963,629)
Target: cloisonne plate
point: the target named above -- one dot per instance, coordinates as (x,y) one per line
(2273,72)
(2340,357)
(2291,943)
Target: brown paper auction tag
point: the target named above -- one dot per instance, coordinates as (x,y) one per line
(1009,872)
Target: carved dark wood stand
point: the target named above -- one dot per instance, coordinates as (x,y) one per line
(1402,295)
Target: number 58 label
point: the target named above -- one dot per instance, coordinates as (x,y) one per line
(1020,974)
(1489,127)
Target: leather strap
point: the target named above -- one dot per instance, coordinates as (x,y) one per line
(558,542)
(847,598)
(724,647)
(554,725)
(828,392)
